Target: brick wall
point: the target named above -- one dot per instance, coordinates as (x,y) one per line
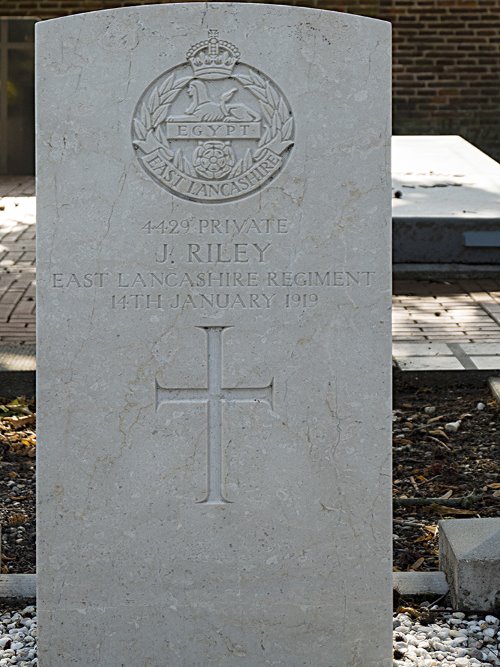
(446,59)
(447,68)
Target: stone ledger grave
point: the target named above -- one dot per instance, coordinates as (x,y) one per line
(214,338)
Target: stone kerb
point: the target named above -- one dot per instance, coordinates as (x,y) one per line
(469,553)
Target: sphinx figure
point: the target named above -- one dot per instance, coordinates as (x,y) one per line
(205,109)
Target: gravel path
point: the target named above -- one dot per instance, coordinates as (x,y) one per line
(452,639)
(446,638)
(18,638)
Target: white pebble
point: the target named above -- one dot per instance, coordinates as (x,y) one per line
(459,640)
(480,406)
(452,427)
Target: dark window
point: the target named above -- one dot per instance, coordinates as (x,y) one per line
(17,123)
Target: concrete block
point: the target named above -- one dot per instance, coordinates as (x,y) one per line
(420,583)
(469,554)
(17,586)
(494,383)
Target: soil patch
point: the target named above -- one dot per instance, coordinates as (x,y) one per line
(446,446)
(17,486)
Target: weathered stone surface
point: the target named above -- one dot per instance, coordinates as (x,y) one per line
(469,554)
(214,338)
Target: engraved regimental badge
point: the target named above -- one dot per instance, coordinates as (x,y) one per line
(212,129)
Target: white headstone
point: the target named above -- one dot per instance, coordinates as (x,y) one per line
(214,338)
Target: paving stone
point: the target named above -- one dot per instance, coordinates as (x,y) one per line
(430,364)
(17,358)
(487,363)
(421,349)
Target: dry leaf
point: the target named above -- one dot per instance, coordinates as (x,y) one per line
(17,519)
(418,563)
(435,419)
(442,509)
(413,483)
(440,442)
(440,432)
(433,529)
(20,421)
(413,613)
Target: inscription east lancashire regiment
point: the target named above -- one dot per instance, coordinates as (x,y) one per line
(202,279)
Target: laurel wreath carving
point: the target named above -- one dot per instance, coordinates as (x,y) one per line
(149,131)
(280,122)
(154,111)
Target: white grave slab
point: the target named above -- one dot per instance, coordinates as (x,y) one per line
(214,338)
(444,177)
(446,202)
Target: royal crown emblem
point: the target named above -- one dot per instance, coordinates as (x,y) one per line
(213,128)
(213,59)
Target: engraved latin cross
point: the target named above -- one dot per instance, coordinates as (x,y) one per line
(213,397)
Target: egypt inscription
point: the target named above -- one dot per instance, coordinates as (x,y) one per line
(213,129)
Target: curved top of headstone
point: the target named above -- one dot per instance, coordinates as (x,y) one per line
(229,7)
